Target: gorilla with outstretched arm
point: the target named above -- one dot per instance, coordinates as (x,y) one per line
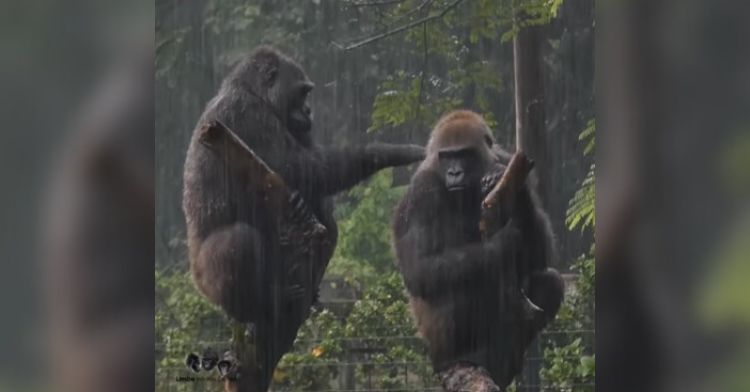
(244,254)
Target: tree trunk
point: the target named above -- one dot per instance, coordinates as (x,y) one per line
(531,125)
(529,94)
(464,377)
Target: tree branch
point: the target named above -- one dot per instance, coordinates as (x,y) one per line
(464,377)
(400,28)
(377,3)
(502,197)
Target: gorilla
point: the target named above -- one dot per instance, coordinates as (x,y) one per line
(209,359)
(238,245)
(460,286)
(193,362)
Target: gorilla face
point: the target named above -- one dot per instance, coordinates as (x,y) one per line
(300,114)
(292,90)
(192,361)
(224,366)
(461,168)
(209,360)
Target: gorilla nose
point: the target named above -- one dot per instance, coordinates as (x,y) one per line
(454,179)
(306,110)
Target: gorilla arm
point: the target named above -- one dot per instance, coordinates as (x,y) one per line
(344,167)
(428,273)
(543,285)
(525,210)
(536,228)
(429,269)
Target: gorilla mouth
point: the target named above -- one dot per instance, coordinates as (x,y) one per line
(455,188)
(301,122)
(308,121)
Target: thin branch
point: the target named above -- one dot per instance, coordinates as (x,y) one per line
(404,16)
(377,3)
(422,76)
(382,26)
(414,11)
(400,28)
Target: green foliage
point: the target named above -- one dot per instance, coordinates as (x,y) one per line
(448,72)
(564,373)
(184,322)
(529,13)
(723,302)
(384,307)
(364,246)
(569,357)
(589,134)
(402,97)
(377,336)
(581,209)
(312,365)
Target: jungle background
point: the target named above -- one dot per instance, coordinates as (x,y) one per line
(453,54)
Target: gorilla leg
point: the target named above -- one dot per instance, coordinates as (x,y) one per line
(258,357)
(546,289)
(230,269)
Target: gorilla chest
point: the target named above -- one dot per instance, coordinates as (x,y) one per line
(458,227)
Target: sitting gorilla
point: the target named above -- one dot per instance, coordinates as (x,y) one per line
(461,287)
(234,239)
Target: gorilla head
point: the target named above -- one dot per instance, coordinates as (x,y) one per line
(460,151)
(193,362)
(282,84)
(209,359)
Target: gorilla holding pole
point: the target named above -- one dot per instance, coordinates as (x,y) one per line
(474,253)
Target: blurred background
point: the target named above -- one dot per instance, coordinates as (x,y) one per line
(76,88)
(672,159)
(386,71)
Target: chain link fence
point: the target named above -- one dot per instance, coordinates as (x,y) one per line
(367,370)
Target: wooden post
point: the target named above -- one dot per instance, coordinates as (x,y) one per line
(465,377)
(502,197)
(530,118)
(529,105)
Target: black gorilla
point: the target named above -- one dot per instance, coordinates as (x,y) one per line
(458,284)
(236,257)
(209,359)
(193,362)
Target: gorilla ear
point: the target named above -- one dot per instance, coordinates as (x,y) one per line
(267,73)
(266,63)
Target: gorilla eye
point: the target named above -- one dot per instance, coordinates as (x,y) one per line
(488,140)
(306,89)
